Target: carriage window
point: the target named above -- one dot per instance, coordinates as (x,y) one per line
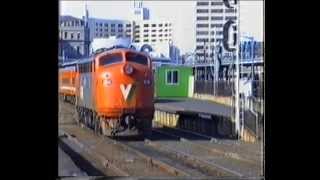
(137,58)
(110,59)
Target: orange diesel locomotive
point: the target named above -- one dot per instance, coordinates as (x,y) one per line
(114,92)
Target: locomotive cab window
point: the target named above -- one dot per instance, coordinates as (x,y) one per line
(137,58)
(110,59)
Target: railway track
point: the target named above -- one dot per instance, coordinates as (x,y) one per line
(112,155)
(163,154)
(207,143)
(225,162)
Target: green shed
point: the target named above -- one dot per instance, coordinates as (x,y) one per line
(174,81)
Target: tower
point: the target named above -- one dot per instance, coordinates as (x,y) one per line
(140,13)
(86,15)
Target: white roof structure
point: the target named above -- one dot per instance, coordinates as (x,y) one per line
(99,43)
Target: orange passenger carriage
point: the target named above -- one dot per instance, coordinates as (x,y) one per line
(67,75)
(114,92)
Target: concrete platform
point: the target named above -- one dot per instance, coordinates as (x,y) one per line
(190,105)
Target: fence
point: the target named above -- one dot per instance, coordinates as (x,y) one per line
(225,88)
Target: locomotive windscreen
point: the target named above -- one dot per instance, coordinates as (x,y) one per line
(110,59)
(137,58)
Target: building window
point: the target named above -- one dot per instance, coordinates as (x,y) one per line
(96,29)
(160,25)
(202,32)
(71,35)
(96,34)
(113,25)
(119,25)
(216,18)
(120,30)
(201,18)
(78,36)
(202,3)
(216,10)
(146,40)
(202,25)
(153,25)
(101,30)
(128,25)
(216,3)
(172,77)
(216,25)
(65,35)
(145,35)
(202,10)
(146,30)
(166,25)
(105,25)
(233,18)
(100,24)
(153,35)
(146,25)
(160,30)
(153,40)
(78,49)
(199,47)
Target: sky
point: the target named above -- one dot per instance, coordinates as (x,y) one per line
(180,13)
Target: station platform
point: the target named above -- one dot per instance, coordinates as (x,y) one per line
(191,105)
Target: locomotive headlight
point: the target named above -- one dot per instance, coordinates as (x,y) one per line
(128,69)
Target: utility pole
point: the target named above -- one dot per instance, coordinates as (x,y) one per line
(237,98)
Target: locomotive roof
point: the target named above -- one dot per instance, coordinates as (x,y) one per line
(90,58)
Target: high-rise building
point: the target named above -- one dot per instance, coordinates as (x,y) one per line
(152,32)
(211,17)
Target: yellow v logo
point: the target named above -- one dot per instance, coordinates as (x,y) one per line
(125,90)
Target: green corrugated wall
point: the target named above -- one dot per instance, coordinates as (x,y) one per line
(165,90)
